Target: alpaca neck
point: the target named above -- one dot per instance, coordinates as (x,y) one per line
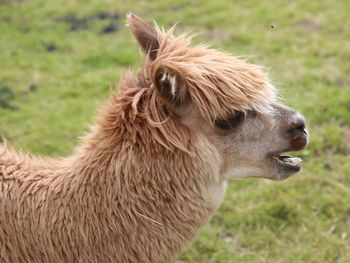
(132,181)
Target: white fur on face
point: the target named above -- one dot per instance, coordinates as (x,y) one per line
(266,107)
(244,171)
(214,193)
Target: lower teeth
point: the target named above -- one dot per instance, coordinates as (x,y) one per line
(288,159)
(293,160)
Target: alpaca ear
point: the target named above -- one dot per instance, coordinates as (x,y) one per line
(170,86)
(145,34)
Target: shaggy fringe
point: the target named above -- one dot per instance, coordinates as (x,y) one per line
(218,84)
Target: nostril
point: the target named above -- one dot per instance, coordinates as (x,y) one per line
(296,127)
(300,126)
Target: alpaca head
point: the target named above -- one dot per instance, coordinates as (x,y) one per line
(224,98)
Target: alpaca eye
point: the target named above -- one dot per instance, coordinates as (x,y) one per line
(231,122)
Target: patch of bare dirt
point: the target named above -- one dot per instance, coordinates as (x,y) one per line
(309,24)
(4,2)
(84,22)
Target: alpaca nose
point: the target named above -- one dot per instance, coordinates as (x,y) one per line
(297,132)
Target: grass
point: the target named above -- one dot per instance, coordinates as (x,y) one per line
(55,73)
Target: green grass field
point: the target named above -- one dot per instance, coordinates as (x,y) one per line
(58,64)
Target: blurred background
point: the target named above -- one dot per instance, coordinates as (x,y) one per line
(60,59)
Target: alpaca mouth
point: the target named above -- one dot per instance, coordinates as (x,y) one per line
(286,162)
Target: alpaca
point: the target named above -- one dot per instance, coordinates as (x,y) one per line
(153,168)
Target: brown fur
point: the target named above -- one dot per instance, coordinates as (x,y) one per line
(143,182)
